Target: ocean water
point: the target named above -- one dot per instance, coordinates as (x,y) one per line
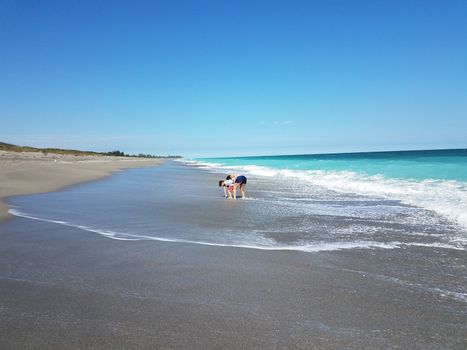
(435,180)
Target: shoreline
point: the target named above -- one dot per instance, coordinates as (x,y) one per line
(66,287)
(24,173)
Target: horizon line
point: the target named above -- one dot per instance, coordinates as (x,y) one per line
(341,153)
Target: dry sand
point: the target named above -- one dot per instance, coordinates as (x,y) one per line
(35,172)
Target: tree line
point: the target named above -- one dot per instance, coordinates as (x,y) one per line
(140,155)
(14,148)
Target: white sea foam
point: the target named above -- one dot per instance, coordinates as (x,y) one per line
(319,246)
(445,197)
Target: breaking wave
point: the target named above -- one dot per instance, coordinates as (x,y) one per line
(445,197)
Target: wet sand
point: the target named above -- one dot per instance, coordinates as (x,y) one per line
(35,172)
(65,288)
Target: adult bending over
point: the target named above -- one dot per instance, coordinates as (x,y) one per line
(239,182)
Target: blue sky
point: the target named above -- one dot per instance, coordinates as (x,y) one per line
(219,78)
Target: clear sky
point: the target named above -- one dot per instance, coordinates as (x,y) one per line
(216,78)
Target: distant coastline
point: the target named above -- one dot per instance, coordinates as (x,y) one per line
(29,170)
(8,147)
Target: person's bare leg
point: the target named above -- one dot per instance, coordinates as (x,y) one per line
(235,191)
(242,190)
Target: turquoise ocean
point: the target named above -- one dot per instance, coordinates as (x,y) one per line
(432,179)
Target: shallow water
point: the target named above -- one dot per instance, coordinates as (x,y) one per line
(176,203)
(410,245)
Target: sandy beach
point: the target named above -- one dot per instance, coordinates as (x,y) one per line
(67,285)
(36,172)
(65,289)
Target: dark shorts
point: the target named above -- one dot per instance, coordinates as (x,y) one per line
(240,180)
